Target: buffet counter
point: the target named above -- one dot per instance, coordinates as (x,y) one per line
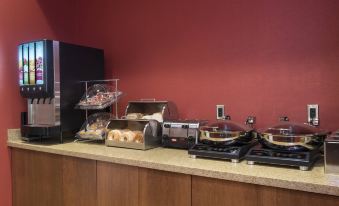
(178,161)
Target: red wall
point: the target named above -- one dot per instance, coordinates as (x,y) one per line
(264,58)
(22,20)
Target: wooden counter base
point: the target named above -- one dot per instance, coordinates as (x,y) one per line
(48,179)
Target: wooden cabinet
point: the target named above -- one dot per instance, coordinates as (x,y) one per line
(207,191)
(164,188)
(41,179)
(36,178)
(79,182)
(117,185)
(270,196)
(121,185)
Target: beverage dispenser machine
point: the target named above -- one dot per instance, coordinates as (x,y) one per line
(49,77)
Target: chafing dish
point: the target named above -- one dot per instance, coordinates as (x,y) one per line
(226,132)
(292,136)
(224,140)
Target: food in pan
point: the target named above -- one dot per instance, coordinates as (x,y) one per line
(134,116)
(114,135)
(156,116)
(125,135)
(139,137)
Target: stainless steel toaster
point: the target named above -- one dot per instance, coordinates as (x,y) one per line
(181,134)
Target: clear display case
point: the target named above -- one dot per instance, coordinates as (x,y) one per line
(101,95)
(95,127)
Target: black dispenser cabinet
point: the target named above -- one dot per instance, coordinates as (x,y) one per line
(49,77)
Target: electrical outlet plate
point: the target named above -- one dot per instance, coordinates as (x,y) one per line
(313,114)
(220,111)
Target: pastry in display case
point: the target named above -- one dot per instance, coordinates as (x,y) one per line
(99,96)
(95,127)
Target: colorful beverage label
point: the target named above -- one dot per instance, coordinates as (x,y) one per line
(25,63)
(20,65)
(39,62)
(31,63)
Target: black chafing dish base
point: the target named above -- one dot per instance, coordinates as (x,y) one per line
(302,159)
(233,153)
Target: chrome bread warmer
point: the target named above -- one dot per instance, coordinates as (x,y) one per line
(140,128)
(150,130)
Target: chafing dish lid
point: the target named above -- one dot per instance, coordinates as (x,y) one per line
(292,129)
(226,126)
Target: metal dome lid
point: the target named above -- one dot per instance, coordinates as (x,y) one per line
(226,126)
(226,132)
(292,129)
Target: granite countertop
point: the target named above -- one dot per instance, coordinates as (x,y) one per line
(178,161)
